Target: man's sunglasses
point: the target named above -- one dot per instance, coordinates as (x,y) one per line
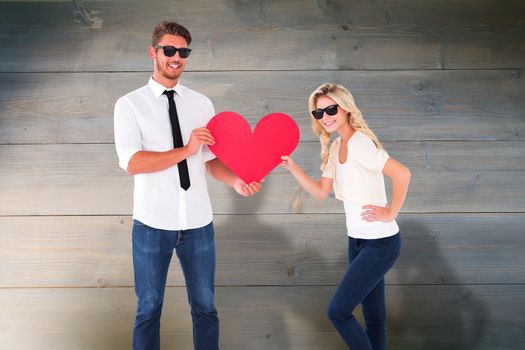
(319,112)
(170,51)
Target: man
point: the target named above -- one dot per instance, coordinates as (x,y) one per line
(161,139)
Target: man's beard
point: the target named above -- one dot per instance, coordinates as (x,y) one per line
(163,70)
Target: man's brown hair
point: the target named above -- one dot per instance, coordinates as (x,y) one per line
(167,27)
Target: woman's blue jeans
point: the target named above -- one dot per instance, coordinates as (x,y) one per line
(363,282)
(152,252)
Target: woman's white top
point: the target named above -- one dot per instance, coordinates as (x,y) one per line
(359,181)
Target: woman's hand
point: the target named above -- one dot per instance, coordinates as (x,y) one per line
(287,162)
(317,189)
(377,213)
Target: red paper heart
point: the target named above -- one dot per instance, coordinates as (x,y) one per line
(251,156)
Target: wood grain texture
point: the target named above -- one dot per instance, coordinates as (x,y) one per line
(441,83)
(462,317)
(81,179)
(264,250)
(278,35)
(399,105)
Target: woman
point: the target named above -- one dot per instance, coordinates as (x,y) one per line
(354,168)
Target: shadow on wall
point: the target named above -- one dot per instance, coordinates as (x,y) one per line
(279,308)
(294,271)
(430,308)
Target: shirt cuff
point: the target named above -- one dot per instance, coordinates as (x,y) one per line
(383,157)
(328,173)
(207,155)
(125,157)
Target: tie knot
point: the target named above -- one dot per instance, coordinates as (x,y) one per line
(169,93)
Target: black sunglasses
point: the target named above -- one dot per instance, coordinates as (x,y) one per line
(330,110)
(170,51)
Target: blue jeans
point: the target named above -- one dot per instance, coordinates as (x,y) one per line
(152,252)
(363,282)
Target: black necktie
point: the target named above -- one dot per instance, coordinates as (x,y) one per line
(177,140)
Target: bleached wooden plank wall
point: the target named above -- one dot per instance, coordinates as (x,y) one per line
(439,81)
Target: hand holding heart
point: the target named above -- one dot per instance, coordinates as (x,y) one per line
(287,162)
(202,136)
(247,189)
(198,137)
(251,156)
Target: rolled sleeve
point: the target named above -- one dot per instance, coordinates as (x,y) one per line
(127,132)
(208,155)
(382,157)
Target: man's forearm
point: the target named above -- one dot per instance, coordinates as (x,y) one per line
(150,162)
(221,172)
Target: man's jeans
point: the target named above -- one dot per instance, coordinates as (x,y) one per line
(363,282)
(152,252)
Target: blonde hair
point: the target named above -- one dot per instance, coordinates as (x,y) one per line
(345,100)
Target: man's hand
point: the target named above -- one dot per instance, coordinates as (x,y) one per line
(247,190)
(199,137)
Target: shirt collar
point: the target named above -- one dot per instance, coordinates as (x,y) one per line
(158,88)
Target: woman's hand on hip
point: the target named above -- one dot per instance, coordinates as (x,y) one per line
(377,213)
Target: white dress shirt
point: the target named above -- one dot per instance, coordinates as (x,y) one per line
(142,123)
(359,181)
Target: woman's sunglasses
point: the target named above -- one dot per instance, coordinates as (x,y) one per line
(330,110)
(170,51)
